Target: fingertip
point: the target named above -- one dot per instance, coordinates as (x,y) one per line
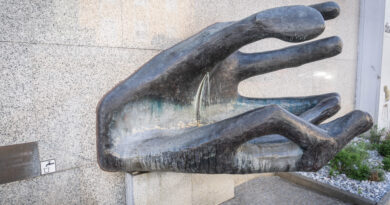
(336,43)
(291,23)
(329,10)
(367,118)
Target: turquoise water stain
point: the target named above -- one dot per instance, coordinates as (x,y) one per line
(156,107)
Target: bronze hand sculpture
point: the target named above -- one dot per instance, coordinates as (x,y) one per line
(181,111)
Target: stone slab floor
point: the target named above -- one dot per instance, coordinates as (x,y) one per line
(274,190)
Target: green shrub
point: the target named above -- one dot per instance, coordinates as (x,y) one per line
(377,175)
(350,161)
(386,163)
(384,148)
(358,149)
(332,172)
(366,146)
(373,146)
(375,135)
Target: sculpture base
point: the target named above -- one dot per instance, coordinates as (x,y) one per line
(180,188)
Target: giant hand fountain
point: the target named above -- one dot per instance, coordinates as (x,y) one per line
(181,111)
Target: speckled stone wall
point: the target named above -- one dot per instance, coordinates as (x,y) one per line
(59,57)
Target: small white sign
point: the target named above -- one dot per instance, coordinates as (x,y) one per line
(48,166)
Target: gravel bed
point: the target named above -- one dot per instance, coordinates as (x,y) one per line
(367,189)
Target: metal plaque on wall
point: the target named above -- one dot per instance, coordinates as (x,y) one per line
(19,162)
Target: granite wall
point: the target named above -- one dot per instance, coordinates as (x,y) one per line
(59,57)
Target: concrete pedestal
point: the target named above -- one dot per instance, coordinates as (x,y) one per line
(178,188)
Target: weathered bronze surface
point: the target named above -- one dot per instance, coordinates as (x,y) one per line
(20,161)
(181,111)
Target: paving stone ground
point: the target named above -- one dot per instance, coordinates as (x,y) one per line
(274,190)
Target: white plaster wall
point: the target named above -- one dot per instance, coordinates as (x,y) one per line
(59,57)
(368,81)
(384,107)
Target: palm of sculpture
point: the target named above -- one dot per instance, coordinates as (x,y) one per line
(181,111)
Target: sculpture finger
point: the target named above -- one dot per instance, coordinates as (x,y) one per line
(295,105)
(290,23)
(329,10)
(184,63)
(271,119)
(323,110)
(327,106)
(218,142)
(315,155)
(345,128)
(259,63)
(341,130)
